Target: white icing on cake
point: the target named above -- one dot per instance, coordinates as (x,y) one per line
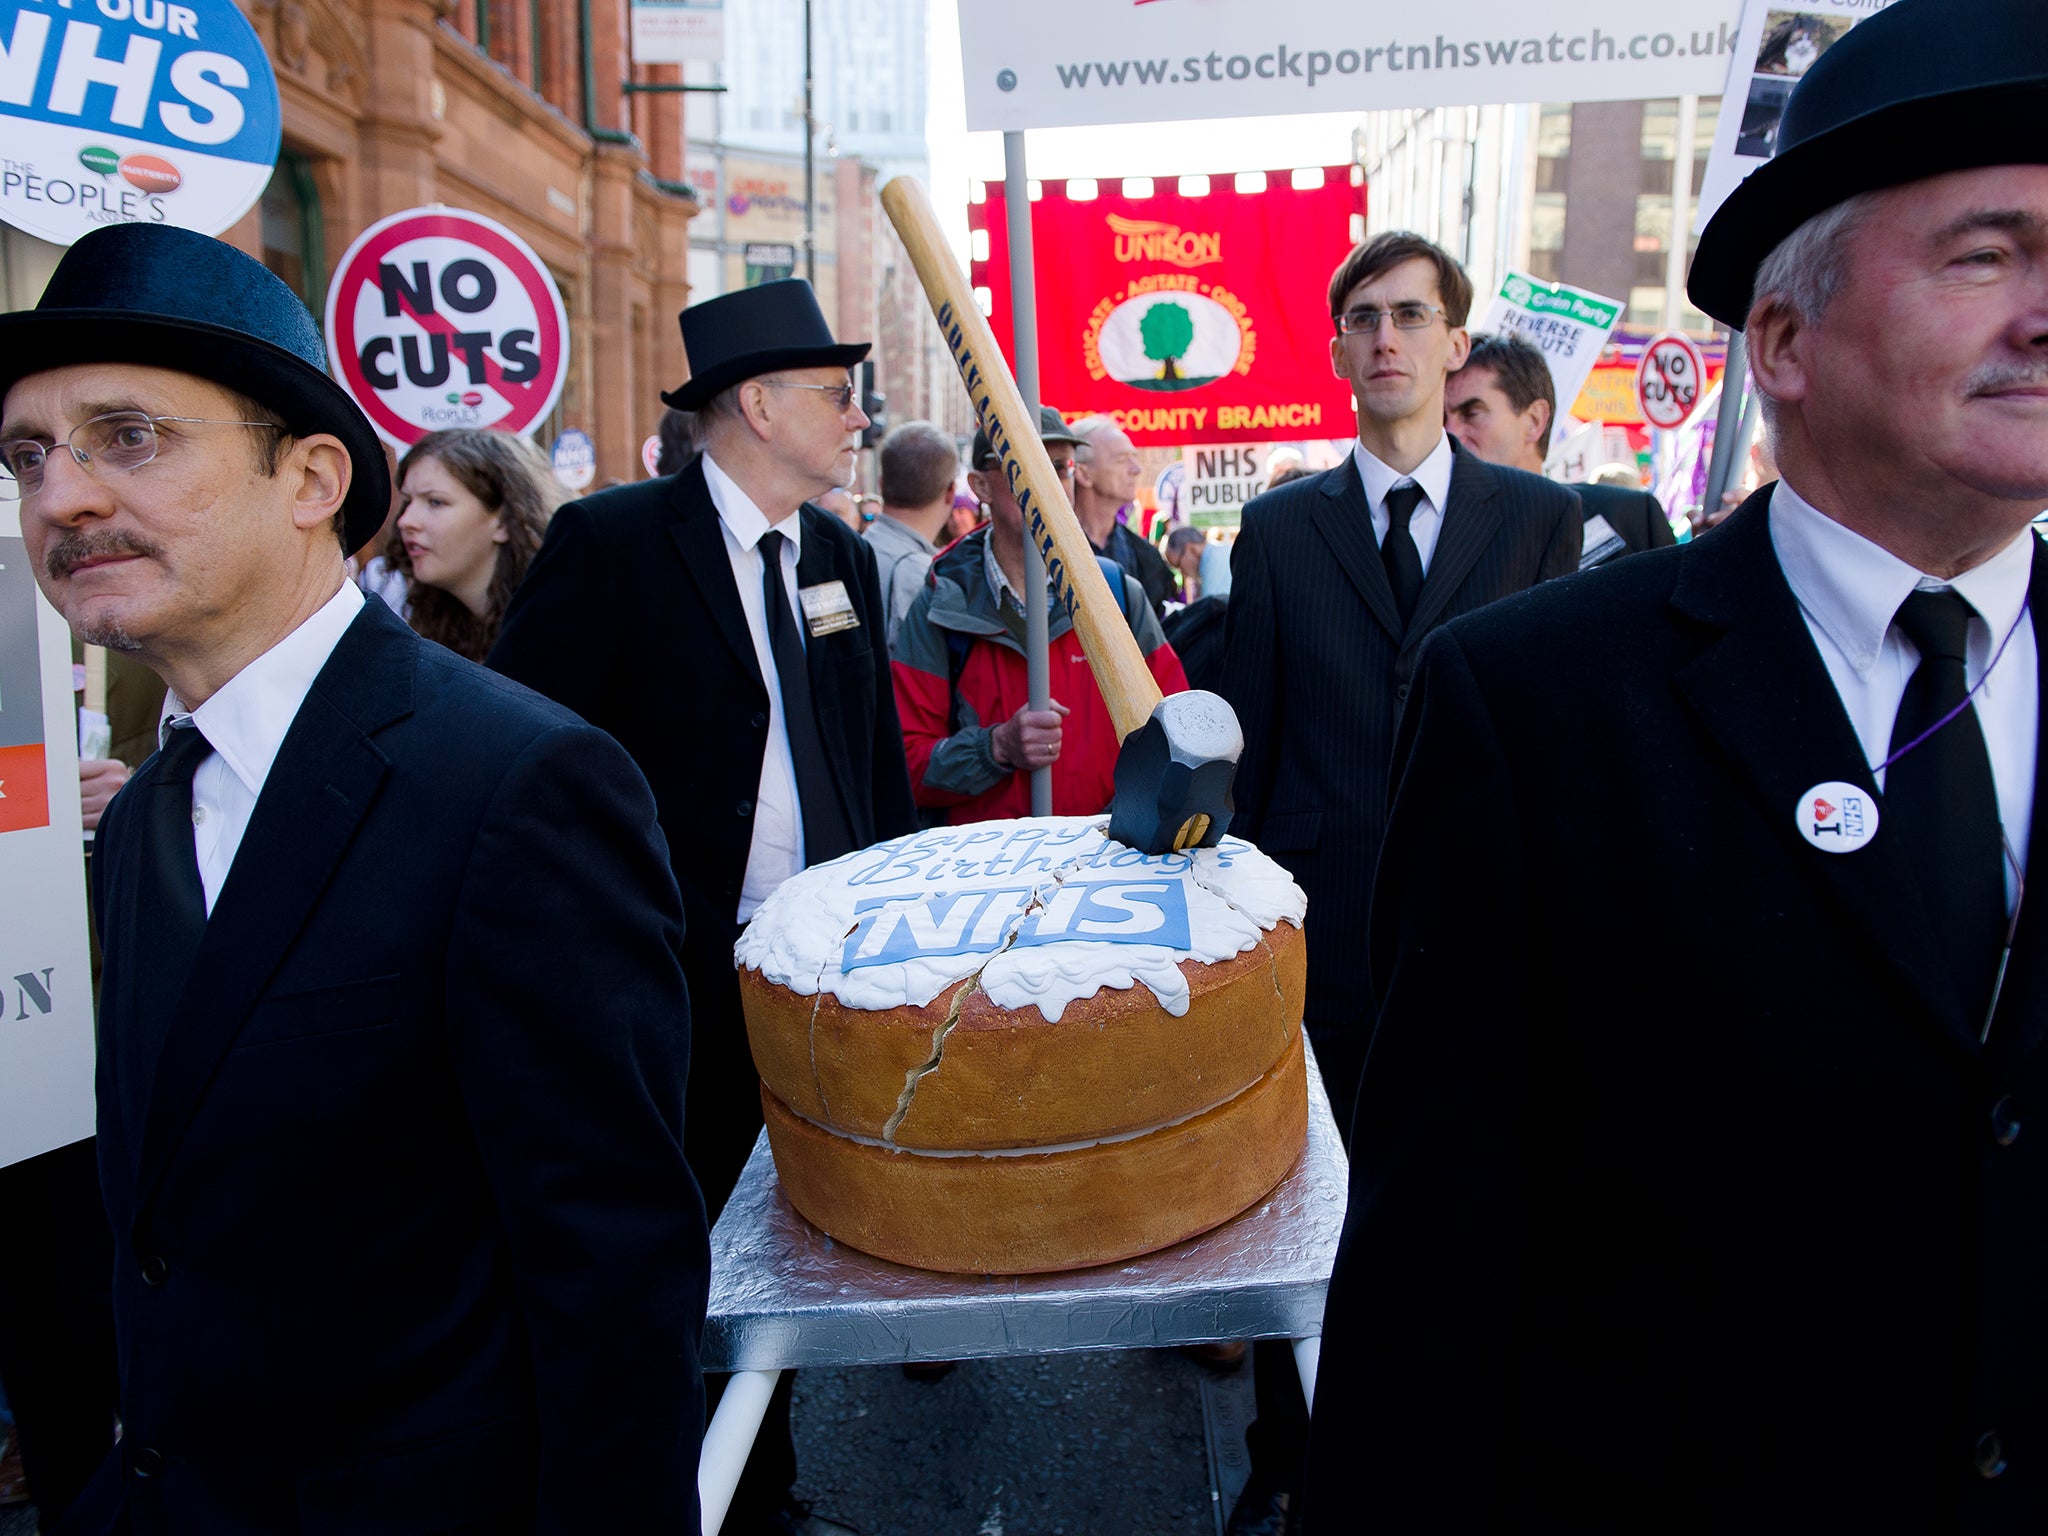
(1046,910)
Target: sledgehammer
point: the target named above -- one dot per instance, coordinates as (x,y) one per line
(1179,754)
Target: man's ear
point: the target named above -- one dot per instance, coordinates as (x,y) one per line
(320,473)
(757,407)
(1777,346)
(1461,349)
(1538,428)
(978,482)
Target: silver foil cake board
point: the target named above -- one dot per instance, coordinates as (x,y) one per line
(785,1296)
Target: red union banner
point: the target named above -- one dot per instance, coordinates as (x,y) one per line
(1188,319)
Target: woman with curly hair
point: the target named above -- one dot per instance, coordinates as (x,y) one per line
(474,507)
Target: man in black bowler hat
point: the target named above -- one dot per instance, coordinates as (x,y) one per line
(393,1034)
(1757,1242)
(733,638)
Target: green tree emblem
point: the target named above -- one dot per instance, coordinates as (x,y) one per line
(1167,330)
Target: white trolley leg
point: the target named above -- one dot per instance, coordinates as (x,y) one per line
(727,1440)
(1307,1353)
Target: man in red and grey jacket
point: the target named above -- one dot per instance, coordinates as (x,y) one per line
(968,730)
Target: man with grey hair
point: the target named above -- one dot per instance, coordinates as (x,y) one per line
(1106,481)
(920,463)
(1758,1242)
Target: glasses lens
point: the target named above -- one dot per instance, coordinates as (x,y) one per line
(1412,317)
(21,468)
(124,440)
(1360,321)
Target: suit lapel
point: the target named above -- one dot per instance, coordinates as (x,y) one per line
(2022,1018)
(1470,522)
(1344,519)
(697,535)
(1763,693)
(324,780)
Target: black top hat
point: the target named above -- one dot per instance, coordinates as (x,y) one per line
(1922,88)
(742,335)
(166,297)
(1052,428)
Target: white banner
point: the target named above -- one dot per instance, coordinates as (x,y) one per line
(1079,62)
(46,1028)
(677,31)
(1776,45)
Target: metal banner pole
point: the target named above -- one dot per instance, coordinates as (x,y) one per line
(1727,425)
(1024,347)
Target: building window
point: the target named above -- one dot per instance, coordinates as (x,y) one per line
(1553,166)
(1654,185)
(294,232)
(1707,119)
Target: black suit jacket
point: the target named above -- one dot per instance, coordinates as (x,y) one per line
(630,617)
(1636,516)
(404,1240)
(1724,1234)
(1317,666)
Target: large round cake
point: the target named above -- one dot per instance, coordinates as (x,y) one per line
(1017,1046)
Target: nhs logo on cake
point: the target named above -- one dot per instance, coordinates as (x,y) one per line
(893,929)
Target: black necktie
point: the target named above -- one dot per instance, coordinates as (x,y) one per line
(1939,800)
(170,911)
(1404,560)
(825,832)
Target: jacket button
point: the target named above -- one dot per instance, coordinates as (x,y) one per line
(2005,1122)
(745,808)
(1401,691)
(760,721)
(147,1461)
(154,1270)
(1988,1456)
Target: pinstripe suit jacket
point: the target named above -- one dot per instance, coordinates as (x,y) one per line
(1317,666)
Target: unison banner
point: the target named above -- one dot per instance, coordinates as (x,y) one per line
(1129,61)
(1190,319)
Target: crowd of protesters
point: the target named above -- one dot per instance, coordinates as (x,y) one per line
(422,1069)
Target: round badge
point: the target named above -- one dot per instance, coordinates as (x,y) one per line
(1837,817)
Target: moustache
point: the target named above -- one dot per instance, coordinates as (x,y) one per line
(73,549)
(1996,376)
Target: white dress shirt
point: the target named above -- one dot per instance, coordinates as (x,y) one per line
(1849,589)
(245,723)
(777,849)
(1433,474)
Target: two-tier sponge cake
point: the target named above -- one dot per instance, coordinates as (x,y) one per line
(1017,1046)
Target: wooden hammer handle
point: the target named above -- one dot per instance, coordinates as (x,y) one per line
(1127,684)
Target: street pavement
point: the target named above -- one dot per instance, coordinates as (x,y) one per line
(1099,1444)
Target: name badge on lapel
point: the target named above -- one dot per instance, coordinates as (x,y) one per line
(1837,817)
(827,608)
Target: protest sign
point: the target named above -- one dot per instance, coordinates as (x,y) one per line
(1127,61)
(1568,326)
(1670,378)
(1776,43)
(439,318)
(132,111)
(1189,317)
(574,458)
(46,1022)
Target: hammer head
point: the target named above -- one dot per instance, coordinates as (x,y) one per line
(1173,775)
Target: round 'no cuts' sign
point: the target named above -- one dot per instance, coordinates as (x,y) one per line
(440,318)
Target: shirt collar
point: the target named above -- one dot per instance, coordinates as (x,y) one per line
(885,524)
(745,521)
(1433,474)
(247,720)
(1852,587)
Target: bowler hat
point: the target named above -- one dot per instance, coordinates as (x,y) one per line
(1919,89)
(751,331)
(165,297)
(1052,428)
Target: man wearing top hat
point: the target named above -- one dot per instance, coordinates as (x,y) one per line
(1756,1240)
(393,1035)
(733,638)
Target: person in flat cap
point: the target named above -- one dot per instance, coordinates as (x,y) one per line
(1747,1231)
(392,1036)
(731,635)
